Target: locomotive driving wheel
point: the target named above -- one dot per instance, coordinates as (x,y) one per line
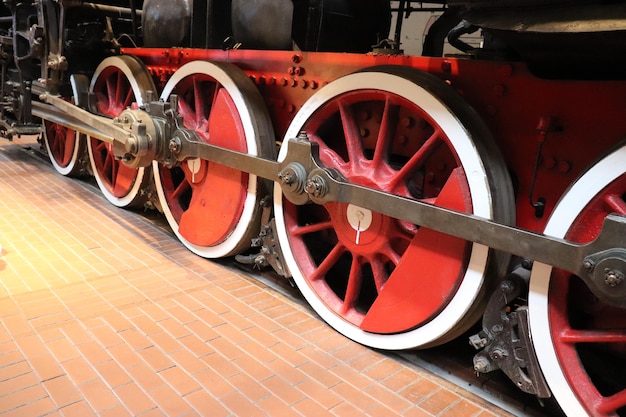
(215,210)
(118,83)
(581,341)
(380,281)
(66,149)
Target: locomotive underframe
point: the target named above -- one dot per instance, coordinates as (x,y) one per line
(563,126)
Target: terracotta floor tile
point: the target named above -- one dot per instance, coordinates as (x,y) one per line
(239,405)
(62,391)
(79,370)
(188,361)
(180,380)
(38,407)
(145,377)
(14,370)
(308,407)
(206,405)
(134,398)
(17,383)
(360,400)
(23,397)
(274,407)
(252,389)
(439,401)
(112,373)
(155,358)
(462,408)
(98,394)
(115,411)
(164,341)
(169,401)
(79,409)
(319,393)
(93,352)
(287,371)
(251,366)
(282,389)
(46,367)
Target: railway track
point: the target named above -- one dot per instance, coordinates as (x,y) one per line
(451,361)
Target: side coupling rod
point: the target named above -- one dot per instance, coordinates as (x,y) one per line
(141,136)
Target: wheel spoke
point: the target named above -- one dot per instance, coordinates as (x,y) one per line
(609,405)
(386,133)
(352,134)
(616,203)
(354,285)
(331,259)
(199,102)
(593,336)
(312,228)
(378,270)
(180,189)
(418,159)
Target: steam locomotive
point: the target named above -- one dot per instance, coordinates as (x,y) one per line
(407,196)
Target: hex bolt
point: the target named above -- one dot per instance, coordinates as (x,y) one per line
(175,145)
(482,365)
(588,264)
(286,178)
(507,286)
(316,186)
(498,353)
(613,278)
(292,178)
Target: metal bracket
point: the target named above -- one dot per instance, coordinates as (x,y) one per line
(506,341)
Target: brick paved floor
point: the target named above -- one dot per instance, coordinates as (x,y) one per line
(104,313)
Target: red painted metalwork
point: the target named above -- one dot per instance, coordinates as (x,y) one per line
(511,101)
(62,143)
(114,94)
(202,218)
(364,136)
(582,325)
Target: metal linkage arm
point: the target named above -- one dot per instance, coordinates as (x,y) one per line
(601,263)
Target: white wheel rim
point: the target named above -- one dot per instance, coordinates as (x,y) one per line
(63,170)
(562,218)
(233,240)
(469,289)
(69,169)
(133,75)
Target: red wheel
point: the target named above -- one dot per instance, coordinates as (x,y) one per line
(582,348)
(214,210)
(380,281)
(66,149)
(118,83)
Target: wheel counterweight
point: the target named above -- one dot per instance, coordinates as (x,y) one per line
(581,341)
(215,210)
(378,280)
(118,83)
